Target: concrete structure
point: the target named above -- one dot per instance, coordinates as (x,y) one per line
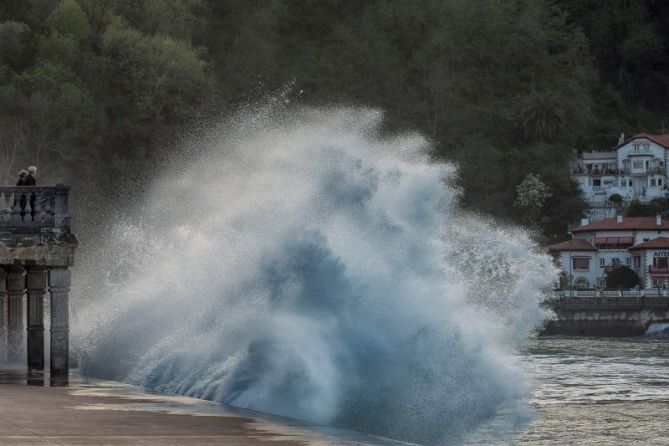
(641,243)
(607,314)
(36,250)
(635,169)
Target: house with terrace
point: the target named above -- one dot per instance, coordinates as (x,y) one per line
(635,169)
(597,249)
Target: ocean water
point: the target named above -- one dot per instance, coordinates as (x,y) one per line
(307,263)
(591,392)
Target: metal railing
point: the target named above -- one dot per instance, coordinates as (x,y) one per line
(34,207)
(658,270)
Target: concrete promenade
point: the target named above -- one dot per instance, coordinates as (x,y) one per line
(109,413)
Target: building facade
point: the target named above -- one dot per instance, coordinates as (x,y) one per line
(636,169)
(596,249)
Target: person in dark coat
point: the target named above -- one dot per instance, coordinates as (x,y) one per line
(22,177)
(30,178)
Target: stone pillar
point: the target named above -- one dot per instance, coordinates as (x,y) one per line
(61,206)
(3,315)
(59,286)
(15,288)
(36,287)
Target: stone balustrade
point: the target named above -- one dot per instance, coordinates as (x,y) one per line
(560,294)
(34,207)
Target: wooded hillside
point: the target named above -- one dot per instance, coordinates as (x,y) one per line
(94,90)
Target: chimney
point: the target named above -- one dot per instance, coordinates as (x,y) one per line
(585,221)
(619,219)
(621,139)
(658,220)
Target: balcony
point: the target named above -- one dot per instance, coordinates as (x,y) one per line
(28,208)
(658,271)
(35,226)
(614,242)
(649,171)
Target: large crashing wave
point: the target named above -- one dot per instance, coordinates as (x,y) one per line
(304,265)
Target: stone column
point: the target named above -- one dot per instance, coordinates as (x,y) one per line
(3,315)
(59,286)
(36,287)
(15,288)
(61,206)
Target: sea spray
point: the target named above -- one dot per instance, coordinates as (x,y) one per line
(302,263)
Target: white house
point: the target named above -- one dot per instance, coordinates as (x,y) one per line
(636,168)
(641,243)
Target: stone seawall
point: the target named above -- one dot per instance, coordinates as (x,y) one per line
(606,316)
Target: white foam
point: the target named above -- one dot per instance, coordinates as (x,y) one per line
(303,265)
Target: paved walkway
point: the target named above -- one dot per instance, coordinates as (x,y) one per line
(109,413)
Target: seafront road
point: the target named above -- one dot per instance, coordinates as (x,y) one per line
(107,413)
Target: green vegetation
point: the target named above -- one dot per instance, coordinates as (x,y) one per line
(90,90)
(622,278)
(616,199)
(656,206)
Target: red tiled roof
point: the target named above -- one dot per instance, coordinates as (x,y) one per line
(628,223)
(657,243)
(662,140)
(576,244)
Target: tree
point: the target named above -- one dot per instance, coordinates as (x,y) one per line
(69,19)
(531,195)
(13,43)
(616,199)
(155,81)
(622,277)
(656,206)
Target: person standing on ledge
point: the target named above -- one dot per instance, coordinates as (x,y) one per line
(30,179)
(22,177)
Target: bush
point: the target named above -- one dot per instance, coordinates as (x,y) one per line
(616,199)
(654,207)
(622,277)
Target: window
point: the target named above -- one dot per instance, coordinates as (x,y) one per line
(659,181)
(602,262)
(608,182)
(652,182)
(615,262)
(661,262)
(636,147)
(628,261)
(596,183)
(581,282)
(646,146)
(637,262)
(637,164)
(581,263)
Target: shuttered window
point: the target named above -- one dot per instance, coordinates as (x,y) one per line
(581,263)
